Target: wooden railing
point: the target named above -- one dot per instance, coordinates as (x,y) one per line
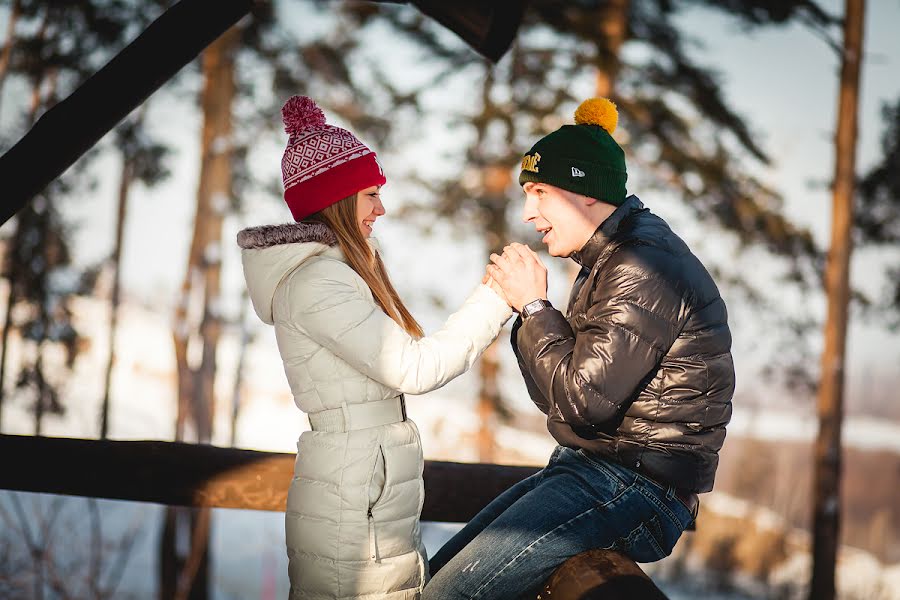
(208,476)
(197,475)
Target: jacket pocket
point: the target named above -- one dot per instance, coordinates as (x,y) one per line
(376,488)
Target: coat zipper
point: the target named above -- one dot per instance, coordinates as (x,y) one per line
(373,545)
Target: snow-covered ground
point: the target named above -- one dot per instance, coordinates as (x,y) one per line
(248,560)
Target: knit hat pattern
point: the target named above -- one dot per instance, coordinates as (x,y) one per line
(322,163)
(582,158)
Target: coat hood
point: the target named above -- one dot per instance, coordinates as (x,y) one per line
(269,253)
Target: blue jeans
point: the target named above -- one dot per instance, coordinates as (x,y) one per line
(576,503)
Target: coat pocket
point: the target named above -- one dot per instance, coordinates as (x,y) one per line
(376,487)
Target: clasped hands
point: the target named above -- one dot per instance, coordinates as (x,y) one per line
(518,276)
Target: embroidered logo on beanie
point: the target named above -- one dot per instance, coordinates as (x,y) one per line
(530,162)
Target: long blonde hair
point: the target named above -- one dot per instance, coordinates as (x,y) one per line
(340,217)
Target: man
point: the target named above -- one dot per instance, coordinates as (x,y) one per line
(636,379)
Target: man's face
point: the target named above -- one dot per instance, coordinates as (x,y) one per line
(560,215)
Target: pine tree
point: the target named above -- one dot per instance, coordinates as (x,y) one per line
(56,46)
(876,217)
(827,488)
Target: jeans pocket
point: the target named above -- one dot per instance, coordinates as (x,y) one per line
(645,543)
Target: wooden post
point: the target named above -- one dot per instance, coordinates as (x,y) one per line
(827,491)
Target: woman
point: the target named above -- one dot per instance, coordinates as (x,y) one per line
(351,350)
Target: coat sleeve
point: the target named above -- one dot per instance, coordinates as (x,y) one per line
(327,303)
(537,396)
(591,378)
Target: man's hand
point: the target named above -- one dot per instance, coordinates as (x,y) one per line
(521,275)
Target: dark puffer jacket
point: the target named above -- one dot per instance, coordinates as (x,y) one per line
(640,369)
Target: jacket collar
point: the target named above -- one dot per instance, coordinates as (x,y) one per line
(590,252)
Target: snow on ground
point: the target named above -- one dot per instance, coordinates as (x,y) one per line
(247,546)
(865,433)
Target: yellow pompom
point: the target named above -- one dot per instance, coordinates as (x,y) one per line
(598,111)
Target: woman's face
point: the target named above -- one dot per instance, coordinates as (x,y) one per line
(368,208)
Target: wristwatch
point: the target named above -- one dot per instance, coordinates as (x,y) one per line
(535,306)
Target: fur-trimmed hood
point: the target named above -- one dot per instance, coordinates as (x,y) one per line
(270,252)
(266,236)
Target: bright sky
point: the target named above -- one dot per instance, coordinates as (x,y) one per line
(783,80)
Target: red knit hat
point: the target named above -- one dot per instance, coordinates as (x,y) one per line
(322,164)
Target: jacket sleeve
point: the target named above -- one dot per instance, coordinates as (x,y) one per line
(537,396)
(328,303)
(591,378)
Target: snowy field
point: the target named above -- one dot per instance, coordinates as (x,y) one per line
(248,560)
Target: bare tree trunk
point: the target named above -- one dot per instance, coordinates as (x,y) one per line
(193,580)
(14,12)
(41,390)
(218,95)
(827,492)
(124,187)
(12,266)
(44,391)
(169,563)
(187,577)
(245,339)
(11,273)
(614,25)
(495,179)
(488,400)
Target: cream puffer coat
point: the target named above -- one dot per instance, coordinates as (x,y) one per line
(352,520)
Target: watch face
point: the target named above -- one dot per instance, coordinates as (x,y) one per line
(533,307)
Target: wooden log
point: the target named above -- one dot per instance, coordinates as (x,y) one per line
(600,575)
(181,474)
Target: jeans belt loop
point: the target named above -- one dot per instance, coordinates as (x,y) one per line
(670,492)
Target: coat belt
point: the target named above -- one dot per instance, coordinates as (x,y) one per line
(350,417)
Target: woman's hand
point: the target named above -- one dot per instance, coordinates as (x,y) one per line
(490,282)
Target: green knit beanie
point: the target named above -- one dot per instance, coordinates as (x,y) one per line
(581,158)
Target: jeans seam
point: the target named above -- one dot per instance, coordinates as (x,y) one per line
(604,468)
(662,506)
(660,553)
(556,452)
(526,549)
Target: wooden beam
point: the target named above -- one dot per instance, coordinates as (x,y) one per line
(75,124)
(200,475)
(175,473)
